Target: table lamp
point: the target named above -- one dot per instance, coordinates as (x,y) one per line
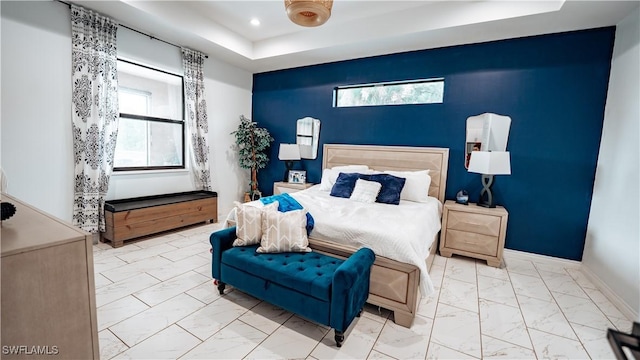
(489,163)
(288,153)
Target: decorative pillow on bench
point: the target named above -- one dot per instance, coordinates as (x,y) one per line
(284,231)
(249,223)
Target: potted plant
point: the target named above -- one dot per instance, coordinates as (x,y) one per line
(252,142)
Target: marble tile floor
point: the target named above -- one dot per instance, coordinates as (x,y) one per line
(156,300)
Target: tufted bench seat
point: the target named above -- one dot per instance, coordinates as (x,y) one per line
(319,287)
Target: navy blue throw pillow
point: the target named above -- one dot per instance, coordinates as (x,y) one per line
(391,187)
(344,185)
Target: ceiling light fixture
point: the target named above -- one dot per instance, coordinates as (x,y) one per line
(308,12)
(255,22)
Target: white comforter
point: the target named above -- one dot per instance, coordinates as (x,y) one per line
(400,232)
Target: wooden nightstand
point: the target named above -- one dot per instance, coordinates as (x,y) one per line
(473,231)
(287,187)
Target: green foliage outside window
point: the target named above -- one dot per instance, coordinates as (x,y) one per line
(415,92)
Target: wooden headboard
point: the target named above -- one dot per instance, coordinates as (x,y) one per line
(397,158)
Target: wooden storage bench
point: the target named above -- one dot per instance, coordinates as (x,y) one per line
(132,218)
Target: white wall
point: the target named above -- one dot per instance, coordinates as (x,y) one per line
(36,144)
(37,149)
(612,247)
(228,96)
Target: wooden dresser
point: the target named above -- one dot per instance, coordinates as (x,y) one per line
(48,291)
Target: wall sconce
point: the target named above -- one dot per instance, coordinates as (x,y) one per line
(489,163)
(288,153)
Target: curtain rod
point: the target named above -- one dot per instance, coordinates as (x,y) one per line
(138,31)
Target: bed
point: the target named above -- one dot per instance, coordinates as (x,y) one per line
(395,279)
(394,284)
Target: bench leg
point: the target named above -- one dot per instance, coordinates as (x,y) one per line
(339,338)
(221,287)
(340,334)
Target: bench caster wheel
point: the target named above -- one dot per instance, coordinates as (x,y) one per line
(359,313)
(339,338)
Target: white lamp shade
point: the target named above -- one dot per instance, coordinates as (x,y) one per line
(289,152)
(490,162)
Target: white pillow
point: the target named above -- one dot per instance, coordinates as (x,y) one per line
(365,191)
(329,176)
(284,232)
(416,186)
(249,223)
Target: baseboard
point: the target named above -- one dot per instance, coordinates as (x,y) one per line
(627,310)
(521,255)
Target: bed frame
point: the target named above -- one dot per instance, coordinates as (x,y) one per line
(394,284)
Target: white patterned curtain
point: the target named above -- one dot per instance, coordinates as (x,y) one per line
(196,112)
(94,114)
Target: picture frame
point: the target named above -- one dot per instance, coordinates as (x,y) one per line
(297,176)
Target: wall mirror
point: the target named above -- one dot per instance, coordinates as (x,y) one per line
(486,132)
(307,137)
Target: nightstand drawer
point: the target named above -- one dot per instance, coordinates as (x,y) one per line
(473,242)
(477,223)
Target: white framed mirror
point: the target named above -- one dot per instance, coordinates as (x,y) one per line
(486,132)
(307,137)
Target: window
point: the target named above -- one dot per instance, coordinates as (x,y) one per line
(429,91)
(151,127)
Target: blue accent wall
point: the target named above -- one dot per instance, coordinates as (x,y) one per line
(553,87)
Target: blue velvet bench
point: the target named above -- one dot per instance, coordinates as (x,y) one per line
(321,288)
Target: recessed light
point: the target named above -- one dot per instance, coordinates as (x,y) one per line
(255,22)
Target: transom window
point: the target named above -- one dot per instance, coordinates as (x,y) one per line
(151,127)
(426,91)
